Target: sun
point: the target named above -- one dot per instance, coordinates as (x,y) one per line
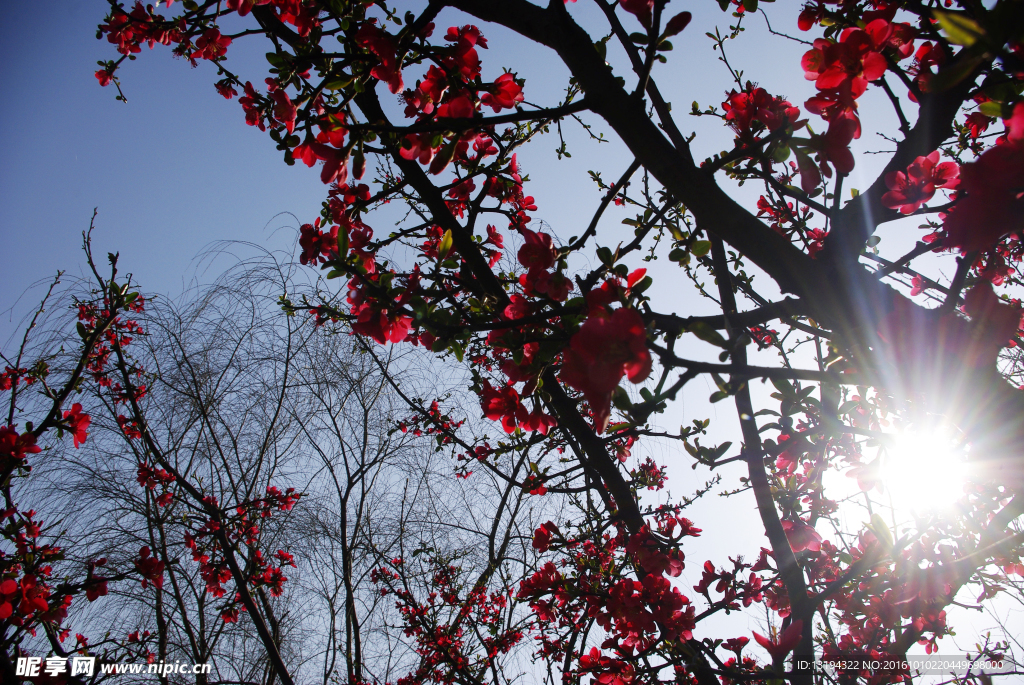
(924,470)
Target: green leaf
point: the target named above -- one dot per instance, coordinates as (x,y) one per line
(750,5)
(605,255)
(342,243)
(994,109)
(620,399)
(960,29)
(781,154)
(679,255)
(708,334)
(954,74)
(642,285)
(880,528)
(718,396)
(445,247)
(701,248)
(339,83)
(784,386)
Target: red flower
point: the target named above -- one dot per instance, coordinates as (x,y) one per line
(537,253)
(908,191)
(918,285)
(250,105)
(383,46)
(643,10)
(96,590)
(211,45)
(554,285)
(507,94)
(602,351)
(77,423)
(927,55)
(736,644)
(284,110)
(978,123)
(993,206)
(243,7)
(785,643)
(14,447)
(225,89)
(316,245)
(150,568)
(494,237)
(519,308)
(542,536)
(802,536)
(868,476)
(502,405)
(751,112)
(854,58)
(103,76)
(377,324)
(833,147)
(606,671)
(465,61)
(458,107)
(335,162)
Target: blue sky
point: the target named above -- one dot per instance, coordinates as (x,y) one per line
(169,172)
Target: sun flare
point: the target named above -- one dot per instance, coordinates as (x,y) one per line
(924,470)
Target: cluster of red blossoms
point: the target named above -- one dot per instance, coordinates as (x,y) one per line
(608,346)
(755,109)
(993,206)
(841,71)
(910,189)
(445,624)
(241,525)
(634,613)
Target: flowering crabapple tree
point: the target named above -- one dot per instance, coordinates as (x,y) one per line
(555,346)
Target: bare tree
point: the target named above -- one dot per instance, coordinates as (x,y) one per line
(223,397)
